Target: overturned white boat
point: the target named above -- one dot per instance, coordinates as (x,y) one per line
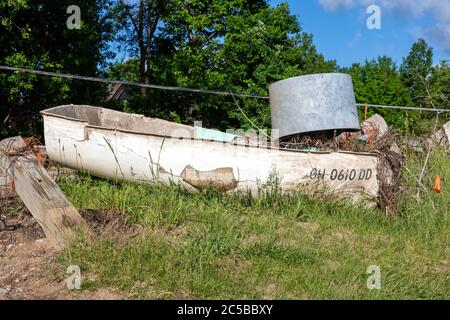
(131,147)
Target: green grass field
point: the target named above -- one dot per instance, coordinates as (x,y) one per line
(215,246)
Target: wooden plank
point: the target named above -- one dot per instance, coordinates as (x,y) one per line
(442,137)
(6,185)
(446,130)
(56,215)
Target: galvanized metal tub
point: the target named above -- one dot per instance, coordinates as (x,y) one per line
(312,103)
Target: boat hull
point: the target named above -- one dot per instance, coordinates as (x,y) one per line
(115,153)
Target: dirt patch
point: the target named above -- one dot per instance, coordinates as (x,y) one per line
(14,216)
(24,263)
(28,270)
(28,266)
(110,223)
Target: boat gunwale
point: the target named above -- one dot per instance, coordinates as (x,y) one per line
(47,112)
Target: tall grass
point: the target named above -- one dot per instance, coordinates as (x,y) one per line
(215,245)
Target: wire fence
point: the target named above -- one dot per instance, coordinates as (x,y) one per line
(193,90)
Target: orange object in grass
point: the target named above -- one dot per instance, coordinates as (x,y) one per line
(437,185)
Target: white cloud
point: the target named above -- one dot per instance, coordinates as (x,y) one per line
(438,9)
(336,4)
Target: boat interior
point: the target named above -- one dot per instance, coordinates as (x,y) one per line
(111,119)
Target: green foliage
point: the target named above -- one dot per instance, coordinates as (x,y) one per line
(36,37)
(232,45)
(22,95)
(259,50)
(415,70)
(128,71)
(440,85)
(236,45)
(379,82)
(136,26)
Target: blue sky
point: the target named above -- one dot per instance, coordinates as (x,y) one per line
(340,30)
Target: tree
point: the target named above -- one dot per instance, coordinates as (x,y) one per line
(261,49)
(128,70)
(34,35)
(440,85)
(415,71)
(236,45)
(379,82)
(137,26)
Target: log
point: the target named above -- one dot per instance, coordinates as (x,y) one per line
(6,185)
(55,214)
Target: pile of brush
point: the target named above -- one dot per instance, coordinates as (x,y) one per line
(374,137)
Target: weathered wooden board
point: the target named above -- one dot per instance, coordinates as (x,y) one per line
(442,136)
(41,195)
(6,185)
(446,130)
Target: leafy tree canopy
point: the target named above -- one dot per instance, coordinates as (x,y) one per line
(34,35)
(415,71)
(236,45)
(379,82)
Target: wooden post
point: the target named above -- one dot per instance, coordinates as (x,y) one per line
(366,110)
(55,214)
(6,185)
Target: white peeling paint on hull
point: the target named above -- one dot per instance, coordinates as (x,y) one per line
(116,153)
